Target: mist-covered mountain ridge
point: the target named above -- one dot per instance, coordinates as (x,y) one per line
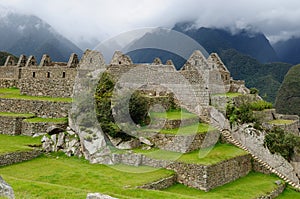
(30,35)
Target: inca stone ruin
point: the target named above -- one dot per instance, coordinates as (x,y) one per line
(195,88)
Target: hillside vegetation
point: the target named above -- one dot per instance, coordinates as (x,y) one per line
(288,98)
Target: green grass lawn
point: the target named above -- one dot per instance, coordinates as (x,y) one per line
(174,115)
(281,122)
(10,143)
(218,153)
(47,120)
(49,177)
(9,114)
(14,93)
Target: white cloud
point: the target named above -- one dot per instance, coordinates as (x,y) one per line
(100,19)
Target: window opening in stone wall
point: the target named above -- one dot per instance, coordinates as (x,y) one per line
(91,60)
(64,74)
(33,74)
(120,62)
(48,75)
(196,62)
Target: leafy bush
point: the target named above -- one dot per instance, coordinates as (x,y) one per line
(105,117)
(242,114)
(260,105)
(281,142)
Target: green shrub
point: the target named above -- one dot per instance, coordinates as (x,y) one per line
(260,105)
(278,141)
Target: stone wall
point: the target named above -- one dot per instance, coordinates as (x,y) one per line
(8,83)
(184,143)
(11,125)
(16,157)
(48,81)
(37,107)
(160,184)
(30,128)
(194,175)
(9,72)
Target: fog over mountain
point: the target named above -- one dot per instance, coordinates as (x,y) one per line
(29,35)
(88,22)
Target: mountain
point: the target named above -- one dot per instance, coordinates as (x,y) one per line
(289,50)
(288,97)
(29,35)
(4,55)
(267,78)
(248,42)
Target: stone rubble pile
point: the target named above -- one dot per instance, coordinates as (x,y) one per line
(57,139)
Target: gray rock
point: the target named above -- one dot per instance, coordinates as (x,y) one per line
(145,141)
(6,190)
(131,144)
(54,130)
(98,196)
(278,182)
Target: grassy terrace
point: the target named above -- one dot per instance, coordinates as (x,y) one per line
(173,115)
(10,144)
(14,93)
(218,153)
(58,176)
(24,115)
(229,94)
(281,122)
(47,120)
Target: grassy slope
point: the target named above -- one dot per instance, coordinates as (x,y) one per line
(17,143)
(8,114)
(13,93)
(62,177)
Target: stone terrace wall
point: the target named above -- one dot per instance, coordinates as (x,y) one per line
(11,125)
(194,175)
(9,72)
(16,157)
(30,129)
(48,81)
(184,143)
(8,83)
(39,108)
(228,171)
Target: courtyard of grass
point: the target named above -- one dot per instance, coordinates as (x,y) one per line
(14,93)
(57,176)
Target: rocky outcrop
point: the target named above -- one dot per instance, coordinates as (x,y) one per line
(67,141)
(6,190)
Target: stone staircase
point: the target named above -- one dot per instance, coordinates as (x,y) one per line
(227,135)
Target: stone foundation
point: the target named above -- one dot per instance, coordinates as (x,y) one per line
(39,108)
(30,129)
(16,157)
(8,83)
(184,143)
(203,177)
(11,125)
(161,184)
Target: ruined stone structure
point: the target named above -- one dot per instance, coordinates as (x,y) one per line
(193,87)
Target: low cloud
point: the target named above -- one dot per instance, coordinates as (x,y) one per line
(87,20)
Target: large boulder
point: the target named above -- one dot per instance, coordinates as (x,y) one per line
(6,190)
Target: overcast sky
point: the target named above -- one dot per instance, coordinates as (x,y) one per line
(101,19)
